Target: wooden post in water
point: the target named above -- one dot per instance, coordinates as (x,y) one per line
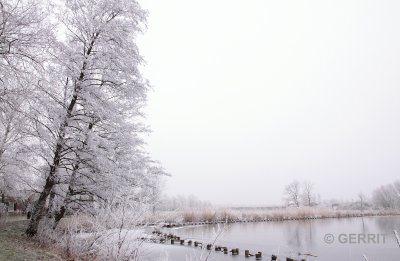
(235,251)
(274,257)
(189,242)
(182,241)
(258,256)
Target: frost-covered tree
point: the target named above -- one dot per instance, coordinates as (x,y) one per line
(387,196)
(362,201)
(87,112)
(308,196)
(11,147)
(24,38)
(181,202)
(292,194)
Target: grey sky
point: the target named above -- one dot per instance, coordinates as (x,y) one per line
(249,95)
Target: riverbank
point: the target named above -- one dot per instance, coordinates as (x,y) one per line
(15,246)
(210,216)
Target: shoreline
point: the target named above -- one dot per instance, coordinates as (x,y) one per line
(229,248)
(266,217)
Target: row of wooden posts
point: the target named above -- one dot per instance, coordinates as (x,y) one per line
(164,237)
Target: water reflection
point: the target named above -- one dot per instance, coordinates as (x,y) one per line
(299,235)
(289,238)
(388,224)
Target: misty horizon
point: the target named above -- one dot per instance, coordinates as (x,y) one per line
(252,95)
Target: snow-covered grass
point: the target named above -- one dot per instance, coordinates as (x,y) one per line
(14,245)
(111,234)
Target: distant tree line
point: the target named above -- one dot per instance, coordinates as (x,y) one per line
(387,196)
(182,203)
(298,194)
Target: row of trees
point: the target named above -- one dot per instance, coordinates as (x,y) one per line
(181,202)
(385,197)
(300,194)
(71,95)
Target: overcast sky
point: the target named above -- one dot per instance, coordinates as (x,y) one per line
(252,94)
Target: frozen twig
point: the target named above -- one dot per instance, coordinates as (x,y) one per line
(215,240)
(397,237)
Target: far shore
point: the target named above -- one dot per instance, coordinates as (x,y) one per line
(213,216)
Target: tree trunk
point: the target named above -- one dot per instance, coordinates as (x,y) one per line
(40,205)
(71,186)
(60,214)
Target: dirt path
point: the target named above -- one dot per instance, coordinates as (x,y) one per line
(15,246)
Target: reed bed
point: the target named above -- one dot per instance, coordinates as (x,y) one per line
(217,215)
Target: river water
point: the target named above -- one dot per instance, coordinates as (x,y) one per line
(328,239)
